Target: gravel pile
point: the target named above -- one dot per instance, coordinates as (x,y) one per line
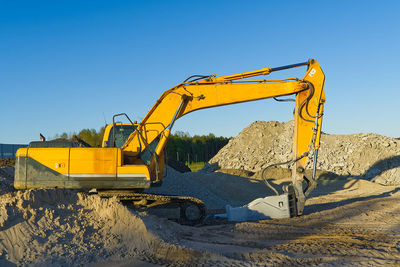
(215,189)
(366,155)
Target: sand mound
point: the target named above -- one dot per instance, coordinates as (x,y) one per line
(40,225)
(53,227)
(367,155)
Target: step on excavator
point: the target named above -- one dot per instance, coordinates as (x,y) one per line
(132,156)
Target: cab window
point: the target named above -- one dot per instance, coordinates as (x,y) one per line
(122,132)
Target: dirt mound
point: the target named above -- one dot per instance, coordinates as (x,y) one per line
(56,223)
(367,155)
(6,180)
(55,227)
(7,162)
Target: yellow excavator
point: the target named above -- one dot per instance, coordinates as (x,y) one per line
(132,155)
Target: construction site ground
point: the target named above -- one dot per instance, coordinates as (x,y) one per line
(350,219)
(346,222)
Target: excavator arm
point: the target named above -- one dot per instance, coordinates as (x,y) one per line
(201,92)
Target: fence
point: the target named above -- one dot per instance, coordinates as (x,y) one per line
(8,150)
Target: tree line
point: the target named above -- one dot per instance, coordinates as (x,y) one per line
(90,136)
(199,148)
(180,146)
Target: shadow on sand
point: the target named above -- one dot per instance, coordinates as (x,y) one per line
(245,188)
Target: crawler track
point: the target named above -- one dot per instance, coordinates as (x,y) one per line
(184,210)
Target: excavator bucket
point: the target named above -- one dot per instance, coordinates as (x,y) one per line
(271,207)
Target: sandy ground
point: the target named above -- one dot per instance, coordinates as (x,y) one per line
(347,222)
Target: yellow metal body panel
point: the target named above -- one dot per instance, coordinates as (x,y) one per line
(56,159)
(127,172)
(106,135)
(78,168)
(22,152)
(98,161)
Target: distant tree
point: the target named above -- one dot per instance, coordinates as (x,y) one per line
(182,134)
(91,136)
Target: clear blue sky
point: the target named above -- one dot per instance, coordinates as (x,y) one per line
(63,64)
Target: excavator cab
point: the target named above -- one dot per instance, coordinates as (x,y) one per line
(116,134)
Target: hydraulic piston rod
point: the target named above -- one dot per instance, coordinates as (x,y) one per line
(290,66)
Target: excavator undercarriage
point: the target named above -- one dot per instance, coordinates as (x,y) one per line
(183,210)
